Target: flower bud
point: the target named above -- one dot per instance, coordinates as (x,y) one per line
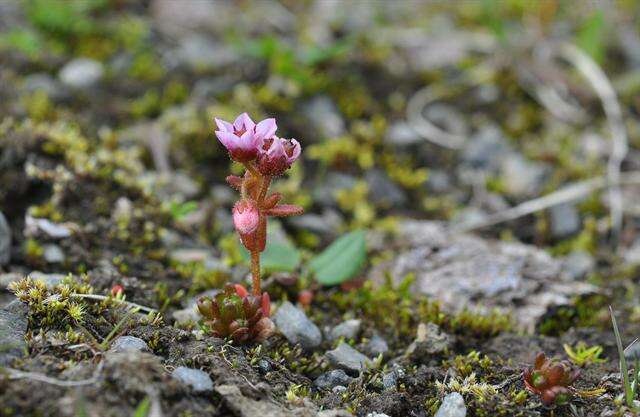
(276,155)
(246,216)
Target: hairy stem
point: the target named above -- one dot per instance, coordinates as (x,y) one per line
(255,271)
(266,181)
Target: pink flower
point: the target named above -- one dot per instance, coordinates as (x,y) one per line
(246,216)
(243,138)
(276,155)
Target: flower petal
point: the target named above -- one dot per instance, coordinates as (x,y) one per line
(266,128)
(223,125)
(229,140)
(295,153)
(244,122)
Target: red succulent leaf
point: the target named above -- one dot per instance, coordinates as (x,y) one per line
(284,210)
(266,304)
(271,201)
(240,290)
(234,181)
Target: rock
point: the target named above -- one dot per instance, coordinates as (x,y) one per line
(452,406)
(53,254)
(382,191)
(325,117)
(325,191)
(376,346)
(334,413)
(129,343)
(521,177)
(8,278)
(439,181)
(578,264)
(296,326)
(390,379)
(5,240)
(13,328)
(178,19)
(43,82)
(348,329)
(430,341)
(466,271)
(51,280)
(34,226)
(377,415)
(632,352)
(347,358)
(326,224)
(81,73)
(201,53)
(632,255)
(242,406)
(198,380)
(333,378)
(402,134)
(565,220)
(486,149)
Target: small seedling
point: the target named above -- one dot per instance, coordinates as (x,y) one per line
(550,379)
(235,312)
(583,355)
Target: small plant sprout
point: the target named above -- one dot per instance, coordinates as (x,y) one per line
(632,353)
(583,355)
(550,379)
(235,312)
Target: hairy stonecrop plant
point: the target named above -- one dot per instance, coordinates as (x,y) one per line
(235,313)
(551,379)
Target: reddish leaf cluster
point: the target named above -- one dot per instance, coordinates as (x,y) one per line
(551,379)
(237,314)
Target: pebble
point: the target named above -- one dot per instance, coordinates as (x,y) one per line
(325,118)
(5,240)
(402,134)
(565,220)
(382,191)
(13,327)
(376,346)
(129,343)
(332,379)
(430,341)
(81,73)
(198,380)
(390,379)
(53,254)
(294,324)
(53,230)
(578,264)
(452,406)
(348,329)
(347,358)
(377,415)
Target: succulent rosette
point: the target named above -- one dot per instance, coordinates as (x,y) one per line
(550,379)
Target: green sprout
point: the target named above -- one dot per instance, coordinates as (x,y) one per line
(629,387)
(583,355)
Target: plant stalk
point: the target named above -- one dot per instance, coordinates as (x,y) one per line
(255,271)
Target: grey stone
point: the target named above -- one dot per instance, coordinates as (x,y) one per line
(430,340)
(632,254)
(376,346)
(51,280)
(13,327)
(34,226)
(325,117)
(347,358)
(5,240)
(129,343)
(334,413)
(578,264)
(382,191)
(43,82)
(402,134)
(338,389)
(521,177)
(377,415)
(296,326)
(348,329)
(390,379)
(439,181)
(53,254)
(242,406)
(333,378)
(486,149)
(452,406)
(466,271)
(327,224)
(8,278)
(565,220)
(198,380)
(325,191)
(201,53)
(81,73)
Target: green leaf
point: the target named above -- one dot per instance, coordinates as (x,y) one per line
(591,36)
(342,260)
(142,410)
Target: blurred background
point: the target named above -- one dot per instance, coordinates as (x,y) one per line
(451,111)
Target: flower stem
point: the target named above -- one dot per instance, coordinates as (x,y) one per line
(255,271)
